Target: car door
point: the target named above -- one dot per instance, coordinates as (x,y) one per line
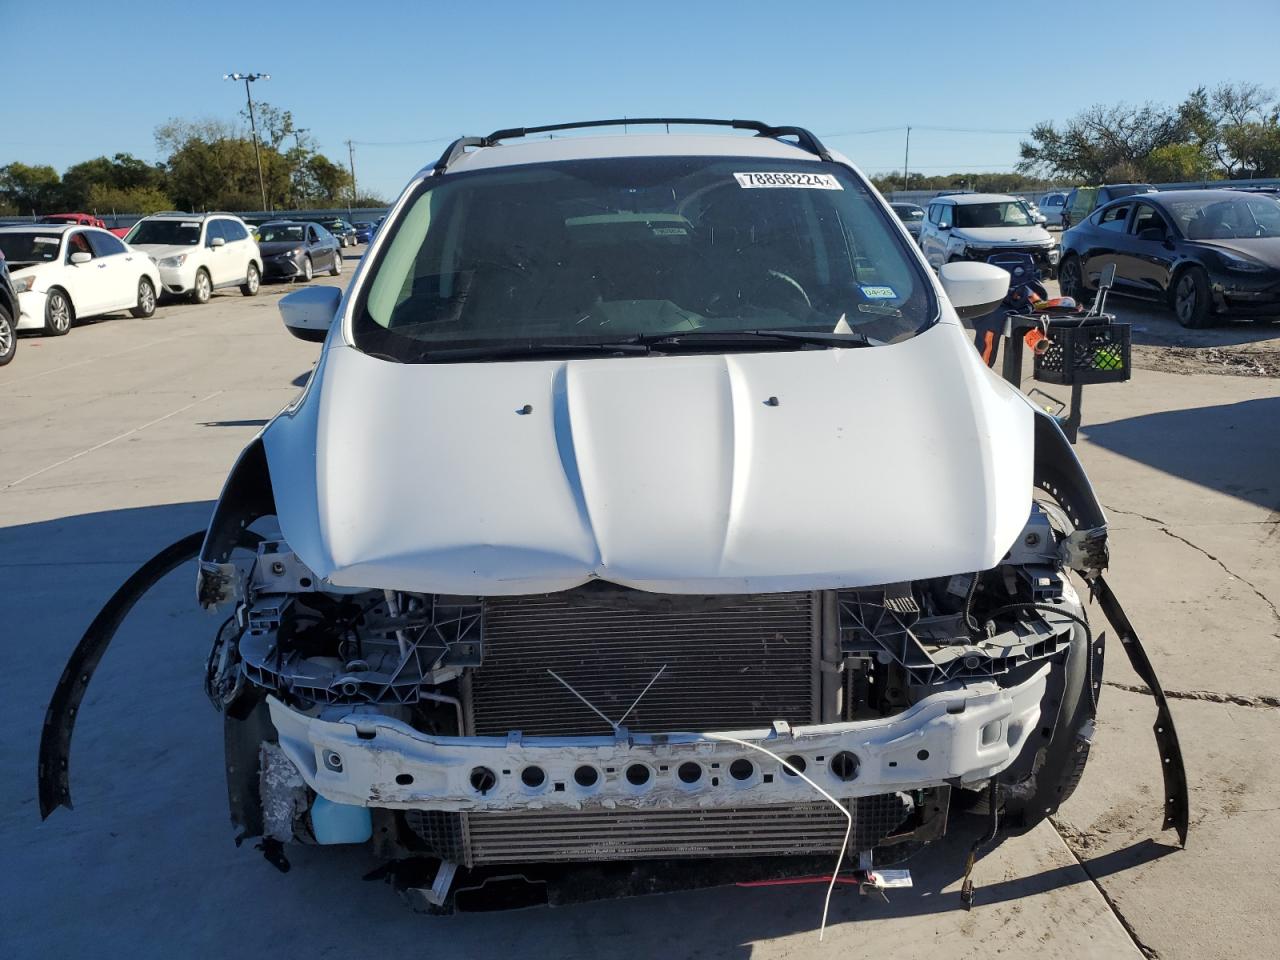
(932,239)
(241,249)
(1145,261)
(321,255)
(220,257)
(86,283)
(1105,236)
(115,263)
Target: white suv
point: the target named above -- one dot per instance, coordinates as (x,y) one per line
(200,253)
(973,226)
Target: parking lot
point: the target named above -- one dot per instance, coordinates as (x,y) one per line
(117,438)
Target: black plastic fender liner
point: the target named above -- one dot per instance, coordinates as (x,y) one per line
(246,496)
(53,778)
(1177,804)
(1058,472)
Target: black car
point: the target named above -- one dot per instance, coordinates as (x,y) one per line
(911,215)
(1201,251)
(344,231)
(8,316)
(1082,201)
(294,250)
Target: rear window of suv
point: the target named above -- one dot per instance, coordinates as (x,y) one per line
(595,251)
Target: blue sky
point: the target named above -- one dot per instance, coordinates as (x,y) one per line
(86,79)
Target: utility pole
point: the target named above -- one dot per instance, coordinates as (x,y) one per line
(906,163)
(249,78)
(351,158)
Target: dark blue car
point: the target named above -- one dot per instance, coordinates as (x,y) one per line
(364,232)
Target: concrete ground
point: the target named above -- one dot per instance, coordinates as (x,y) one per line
(115,440)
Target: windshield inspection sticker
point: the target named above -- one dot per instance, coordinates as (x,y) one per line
(879,293)
(805,181)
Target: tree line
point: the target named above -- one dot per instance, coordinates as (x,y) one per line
(1229,132)
(209,165)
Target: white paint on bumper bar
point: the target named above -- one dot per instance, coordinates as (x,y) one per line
(961,736)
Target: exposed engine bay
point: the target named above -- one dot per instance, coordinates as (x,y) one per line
(598,723)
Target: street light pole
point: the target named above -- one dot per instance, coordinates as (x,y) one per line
(351,157)
(906,163)
(248,78)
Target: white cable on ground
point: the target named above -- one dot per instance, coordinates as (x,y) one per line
(848,831)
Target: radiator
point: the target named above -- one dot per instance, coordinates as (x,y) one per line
(541,836)
(727,663)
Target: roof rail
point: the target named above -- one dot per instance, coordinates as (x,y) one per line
(807,140)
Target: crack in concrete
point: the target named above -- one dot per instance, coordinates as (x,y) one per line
(1148,951)
(1206,696)
(1164,528)
(1131,513)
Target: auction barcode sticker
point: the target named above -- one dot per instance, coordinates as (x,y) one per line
(805,181)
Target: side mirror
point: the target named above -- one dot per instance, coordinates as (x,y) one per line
(80,257)
(974,289)
(309,312)
(1152,234)
(218,242)
(944,226)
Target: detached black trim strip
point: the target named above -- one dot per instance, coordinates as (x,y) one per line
(54,777)
(1177,804)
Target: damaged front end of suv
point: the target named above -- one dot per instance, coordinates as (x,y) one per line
(647,504)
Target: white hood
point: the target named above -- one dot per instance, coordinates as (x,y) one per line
(669,474)
(995,236)
(158,251)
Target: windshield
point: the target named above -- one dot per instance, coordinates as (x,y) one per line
(1000,213)
(908,213)
(165,232)
(1235,218)
(33,247)
(598,251)
(276,233)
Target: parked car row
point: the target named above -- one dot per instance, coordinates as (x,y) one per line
(67,267)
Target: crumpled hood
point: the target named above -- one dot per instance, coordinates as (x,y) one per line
(993,236)
(669,474)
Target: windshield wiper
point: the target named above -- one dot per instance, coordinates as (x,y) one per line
(502,351)
(701,339)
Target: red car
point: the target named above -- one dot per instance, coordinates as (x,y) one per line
(82,219)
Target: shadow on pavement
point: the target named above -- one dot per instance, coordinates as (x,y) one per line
(1227,448)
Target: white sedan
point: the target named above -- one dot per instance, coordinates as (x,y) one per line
(64,272)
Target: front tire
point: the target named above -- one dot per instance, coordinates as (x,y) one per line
(1192,300)
(202,292)
(146,300)
(1071,279)
(336,269)
(58,314)
(8,338)
(308,271)
(252,281)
